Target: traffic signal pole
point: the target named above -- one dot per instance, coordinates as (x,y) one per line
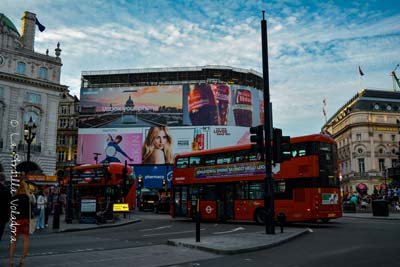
(268,183)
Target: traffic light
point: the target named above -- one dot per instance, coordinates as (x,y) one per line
(140,181)
(281,147)
(257,138)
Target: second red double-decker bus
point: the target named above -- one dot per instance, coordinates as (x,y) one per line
(111,182)
(229,183)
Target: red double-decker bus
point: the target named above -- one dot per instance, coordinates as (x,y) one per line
(229,183)
(102,182)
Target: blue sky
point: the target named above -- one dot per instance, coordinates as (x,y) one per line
(315,47)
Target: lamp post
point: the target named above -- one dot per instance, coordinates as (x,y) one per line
(29,135)
(69,212)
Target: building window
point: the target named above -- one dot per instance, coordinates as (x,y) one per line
(61,156)
(43,73)
(1,91)
(360,151)
(380,136)
(64,110)
(394,162)
(361,166)
(380,151)
(63,123)
(21,67)
(32,98)
(381,165)
(61,140)
(393,138)
(358,137)
(74,140)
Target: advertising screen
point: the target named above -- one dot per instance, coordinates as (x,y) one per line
(151,124)
(153,145)
(171,105)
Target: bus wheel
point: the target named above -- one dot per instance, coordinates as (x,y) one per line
(260,216)
(325,220)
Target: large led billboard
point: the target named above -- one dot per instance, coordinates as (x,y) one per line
(153,145)
(151,124)
(171,105)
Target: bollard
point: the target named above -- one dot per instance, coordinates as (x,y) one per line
(281,220)
(198,227)
(56,217)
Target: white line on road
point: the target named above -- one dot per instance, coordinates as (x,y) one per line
(157,228)
(173,233)
(230,231)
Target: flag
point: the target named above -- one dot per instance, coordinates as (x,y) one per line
(360,71)
(40,26)
(324,107)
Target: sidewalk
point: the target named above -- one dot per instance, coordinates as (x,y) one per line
(392,216)
(239,243)
(76,226)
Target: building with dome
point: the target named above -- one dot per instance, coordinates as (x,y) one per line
(366,131)
(30,90)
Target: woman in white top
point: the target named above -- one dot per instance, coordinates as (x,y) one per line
(41,205)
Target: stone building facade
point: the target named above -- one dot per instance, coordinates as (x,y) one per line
(366,132)
(29,88)
(67,131)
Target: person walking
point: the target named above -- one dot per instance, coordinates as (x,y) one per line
(41,203)
(21,201)
(5,197)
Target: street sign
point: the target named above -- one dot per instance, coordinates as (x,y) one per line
(121,207)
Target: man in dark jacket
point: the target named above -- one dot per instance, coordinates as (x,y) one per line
(5,197)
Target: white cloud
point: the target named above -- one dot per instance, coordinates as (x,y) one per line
(314,49)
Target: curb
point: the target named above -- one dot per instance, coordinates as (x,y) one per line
(236,251)
(349,215)
(96,227)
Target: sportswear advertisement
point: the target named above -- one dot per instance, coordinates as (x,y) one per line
(153,145)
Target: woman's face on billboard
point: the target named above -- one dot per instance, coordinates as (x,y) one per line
(160,140)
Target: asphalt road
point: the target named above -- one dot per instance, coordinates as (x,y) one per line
(344,242)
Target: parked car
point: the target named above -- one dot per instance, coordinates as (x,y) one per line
(162,205)
(147,200)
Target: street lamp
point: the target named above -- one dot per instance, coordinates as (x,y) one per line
(69,213)
(29,135)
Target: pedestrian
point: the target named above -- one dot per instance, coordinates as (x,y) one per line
(5,197)
(41,203)
(21,202)
(47,208)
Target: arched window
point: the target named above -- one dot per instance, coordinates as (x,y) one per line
(21,67)
(43,73)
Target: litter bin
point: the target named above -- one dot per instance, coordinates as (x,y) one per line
(380,207)
(349,207)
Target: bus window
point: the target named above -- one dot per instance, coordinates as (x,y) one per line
(208,192)
(226,158)
(253,156)
(207,160)
(194,161)
(242,190)
(182,163)
(256,191)
(241,156)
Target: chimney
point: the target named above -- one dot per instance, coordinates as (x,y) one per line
(28,30)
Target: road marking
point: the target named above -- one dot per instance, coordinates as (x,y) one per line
(310,230)
(230,231)
(157,228)
(173,233)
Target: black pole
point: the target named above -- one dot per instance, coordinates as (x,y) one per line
(268,186)
(69,215)
(28,158)
(198,219)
